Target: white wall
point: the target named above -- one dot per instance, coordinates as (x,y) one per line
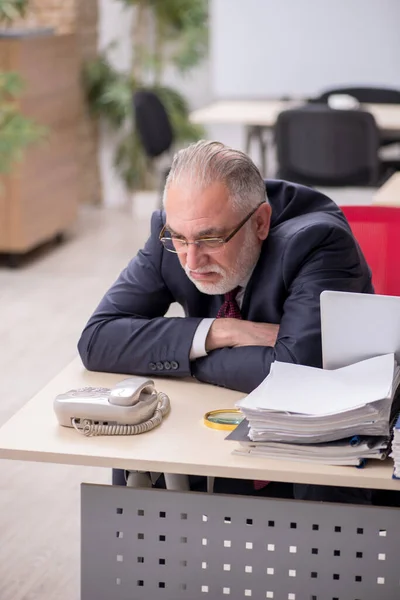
(264,48)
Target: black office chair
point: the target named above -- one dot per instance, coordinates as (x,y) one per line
(154,127)
(152,123)
(368,95)
(317,145)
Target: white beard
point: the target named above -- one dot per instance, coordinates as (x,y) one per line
(244,265)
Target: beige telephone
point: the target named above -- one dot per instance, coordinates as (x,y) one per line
(132,406)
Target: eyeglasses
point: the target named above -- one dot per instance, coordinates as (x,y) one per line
(207,245)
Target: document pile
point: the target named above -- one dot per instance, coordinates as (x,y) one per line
(338,417)
(396,449)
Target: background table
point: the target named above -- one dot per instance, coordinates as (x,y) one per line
(260,115)
(265,112)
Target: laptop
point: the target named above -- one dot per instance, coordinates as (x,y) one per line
(358,326)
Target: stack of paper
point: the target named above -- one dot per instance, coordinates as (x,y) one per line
(299,405)
(349,451)
(396,449)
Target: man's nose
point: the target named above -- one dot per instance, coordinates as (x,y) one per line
(195,258)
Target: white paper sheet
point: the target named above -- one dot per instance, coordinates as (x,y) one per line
(308,390)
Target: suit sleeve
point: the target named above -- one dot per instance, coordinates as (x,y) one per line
(333,262)
(128,333)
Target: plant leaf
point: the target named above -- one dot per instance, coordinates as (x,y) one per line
(108,91)
(17,132)
(10,10)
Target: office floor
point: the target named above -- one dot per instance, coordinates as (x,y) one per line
(43,308)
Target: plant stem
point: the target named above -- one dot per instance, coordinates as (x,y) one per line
(139,31)
(158,50)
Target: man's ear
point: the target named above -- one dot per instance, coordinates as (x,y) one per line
(263,221)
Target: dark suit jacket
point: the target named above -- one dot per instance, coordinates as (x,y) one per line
(310,248)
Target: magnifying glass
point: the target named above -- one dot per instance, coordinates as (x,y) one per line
(226,419)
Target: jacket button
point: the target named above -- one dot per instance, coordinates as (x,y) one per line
(174,365)
(153,366)
(160,366)
(167,365)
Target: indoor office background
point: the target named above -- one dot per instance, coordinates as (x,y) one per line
(69,224)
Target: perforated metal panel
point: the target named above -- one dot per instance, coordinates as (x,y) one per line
(158,544)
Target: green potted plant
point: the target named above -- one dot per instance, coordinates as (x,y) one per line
(165,33)
(16,130)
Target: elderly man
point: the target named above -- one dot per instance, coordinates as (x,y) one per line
(246,259)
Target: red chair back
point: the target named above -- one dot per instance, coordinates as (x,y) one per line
(377,230)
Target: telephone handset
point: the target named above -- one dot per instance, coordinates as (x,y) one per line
(132,406)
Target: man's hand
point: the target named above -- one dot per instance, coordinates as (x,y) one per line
(248,333)
(233,333)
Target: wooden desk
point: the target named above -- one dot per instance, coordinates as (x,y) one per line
(124,530)
(389,193)
(182,444)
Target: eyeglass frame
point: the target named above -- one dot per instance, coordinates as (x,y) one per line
(223,240)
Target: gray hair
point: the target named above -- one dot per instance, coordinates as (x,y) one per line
(204,163)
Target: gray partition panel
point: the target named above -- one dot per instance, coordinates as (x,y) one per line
(156,544)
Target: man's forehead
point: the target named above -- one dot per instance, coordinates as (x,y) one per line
(202,212)
(197,201)
(190,192)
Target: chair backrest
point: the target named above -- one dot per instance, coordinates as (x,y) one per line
(317,145)
(152,123)
(371,95)
(377,230)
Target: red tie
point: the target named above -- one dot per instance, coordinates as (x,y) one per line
(231,310)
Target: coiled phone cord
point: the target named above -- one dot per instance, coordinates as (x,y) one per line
(90,428)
